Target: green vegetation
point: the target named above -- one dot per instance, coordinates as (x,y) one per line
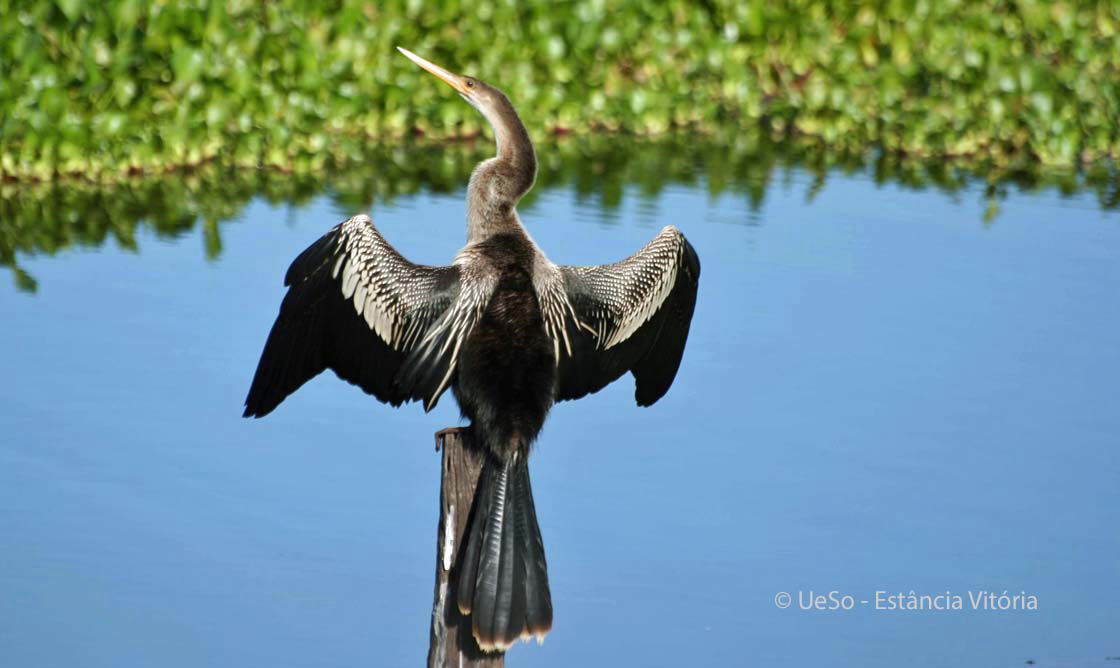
(51,217)
(122,87)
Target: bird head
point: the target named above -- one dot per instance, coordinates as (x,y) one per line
(482,96)
(511,173)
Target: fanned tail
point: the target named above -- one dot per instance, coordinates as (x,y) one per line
(503,577)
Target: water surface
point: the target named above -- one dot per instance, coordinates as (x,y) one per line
(881,391)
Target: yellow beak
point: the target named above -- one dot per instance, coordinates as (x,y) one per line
(453,80)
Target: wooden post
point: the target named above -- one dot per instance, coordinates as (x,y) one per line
(452,645)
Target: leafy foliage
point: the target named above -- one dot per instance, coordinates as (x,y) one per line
(113,88)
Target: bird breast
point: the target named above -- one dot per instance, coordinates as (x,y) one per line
(507,367)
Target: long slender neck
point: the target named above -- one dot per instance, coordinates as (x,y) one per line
(514,145)
(499,183)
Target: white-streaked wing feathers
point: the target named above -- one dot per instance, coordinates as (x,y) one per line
(396,298)
(630,292)
(556,308)
(633,315)
(356,306)
(430,367)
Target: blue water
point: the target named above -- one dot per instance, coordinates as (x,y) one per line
(880,393)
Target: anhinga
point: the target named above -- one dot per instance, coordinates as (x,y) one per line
(506,329)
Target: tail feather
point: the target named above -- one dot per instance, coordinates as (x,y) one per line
(538,603)
(503,577)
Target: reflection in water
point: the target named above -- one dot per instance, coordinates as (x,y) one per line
(48,218)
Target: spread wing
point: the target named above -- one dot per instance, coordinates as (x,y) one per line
(631,316)
(355,306)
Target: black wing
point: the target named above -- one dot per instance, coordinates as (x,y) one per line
(632,316)
(355,306)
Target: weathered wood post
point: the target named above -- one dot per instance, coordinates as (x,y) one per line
(452,645)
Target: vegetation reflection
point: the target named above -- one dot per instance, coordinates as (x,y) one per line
(46,218)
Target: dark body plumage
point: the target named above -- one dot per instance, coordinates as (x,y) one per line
(505,329)
(507,367)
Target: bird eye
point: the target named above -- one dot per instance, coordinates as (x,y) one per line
(470,83)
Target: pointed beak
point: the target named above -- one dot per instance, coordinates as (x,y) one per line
(453,80)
